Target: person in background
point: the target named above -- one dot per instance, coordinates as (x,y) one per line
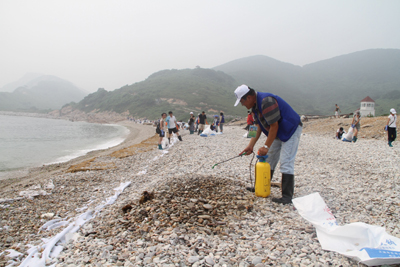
(221,122)
(197,123)
(391,126)
(337,110)
(250,120)
(212,127)
(191,123)
(202,122)
(216,122)
(282,126)
(355,123)
(172,123)
(161,127)
(339,133)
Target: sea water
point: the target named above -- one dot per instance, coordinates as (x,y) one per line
(27,142)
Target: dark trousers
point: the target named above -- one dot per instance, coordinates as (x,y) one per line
(391,134)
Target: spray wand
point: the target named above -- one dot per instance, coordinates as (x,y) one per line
(244,153)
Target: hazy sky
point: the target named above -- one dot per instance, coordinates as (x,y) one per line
(109,44)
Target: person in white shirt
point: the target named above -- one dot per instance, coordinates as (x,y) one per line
(172,127)
(391,126)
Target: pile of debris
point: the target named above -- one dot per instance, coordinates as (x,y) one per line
(202,204)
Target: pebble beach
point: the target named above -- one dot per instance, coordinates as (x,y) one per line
(135,205)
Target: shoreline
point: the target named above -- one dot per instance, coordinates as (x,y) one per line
(137,133)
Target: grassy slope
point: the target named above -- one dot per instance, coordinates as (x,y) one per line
(180,91)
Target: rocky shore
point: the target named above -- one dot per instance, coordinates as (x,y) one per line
(139,206)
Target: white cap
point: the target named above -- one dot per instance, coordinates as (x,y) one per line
(393,111)
(191,112)
(240,92)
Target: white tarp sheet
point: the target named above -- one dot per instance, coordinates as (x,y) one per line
(368,244)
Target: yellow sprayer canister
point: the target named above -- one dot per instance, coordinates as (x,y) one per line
(263,177)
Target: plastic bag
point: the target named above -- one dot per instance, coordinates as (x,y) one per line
(164,143)
(207,132)
(368,244)
(348,136)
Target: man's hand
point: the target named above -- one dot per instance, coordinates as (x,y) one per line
(248,150)
(262,151)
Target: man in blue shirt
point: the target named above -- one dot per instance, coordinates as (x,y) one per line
(282,126)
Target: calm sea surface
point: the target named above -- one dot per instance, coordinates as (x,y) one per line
(27,142)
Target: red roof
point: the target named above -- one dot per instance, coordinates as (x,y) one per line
(367,99)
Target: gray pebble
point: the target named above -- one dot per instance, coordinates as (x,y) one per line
(256,260)
(193,259)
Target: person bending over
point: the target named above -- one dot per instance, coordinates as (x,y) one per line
(282,126)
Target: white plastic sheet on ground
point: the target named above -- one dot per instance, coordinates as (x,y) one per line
(52,247)
(368,244)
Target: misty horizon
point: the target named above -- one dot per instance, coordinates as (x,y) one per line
(99,44)
(29,75)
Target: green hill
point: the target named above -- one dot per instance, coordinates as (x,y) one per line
(316,88)
(180,91)
(349,78)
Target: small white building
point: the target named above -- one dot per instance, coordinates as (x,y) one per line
(367,107)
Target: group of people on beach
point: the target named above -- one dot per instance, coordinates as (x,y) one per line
(165,123)
(201,121)
(355,125)
(169,122)
(277,120)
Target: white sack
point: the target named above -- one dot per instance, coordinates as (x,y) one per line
(369,244)
(348,136)
(164,142)
(208,132)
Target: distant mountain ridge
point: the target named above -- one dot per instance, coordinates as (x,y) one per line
(312,89)
(27,78)
(316,88)
(35,92)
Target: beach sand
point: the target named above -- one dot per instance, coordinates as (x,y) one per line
(198,215)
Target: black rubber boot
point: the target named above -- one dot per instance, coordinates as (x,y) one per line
(180,138)
(287,189)
(251,189)
(272,174)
